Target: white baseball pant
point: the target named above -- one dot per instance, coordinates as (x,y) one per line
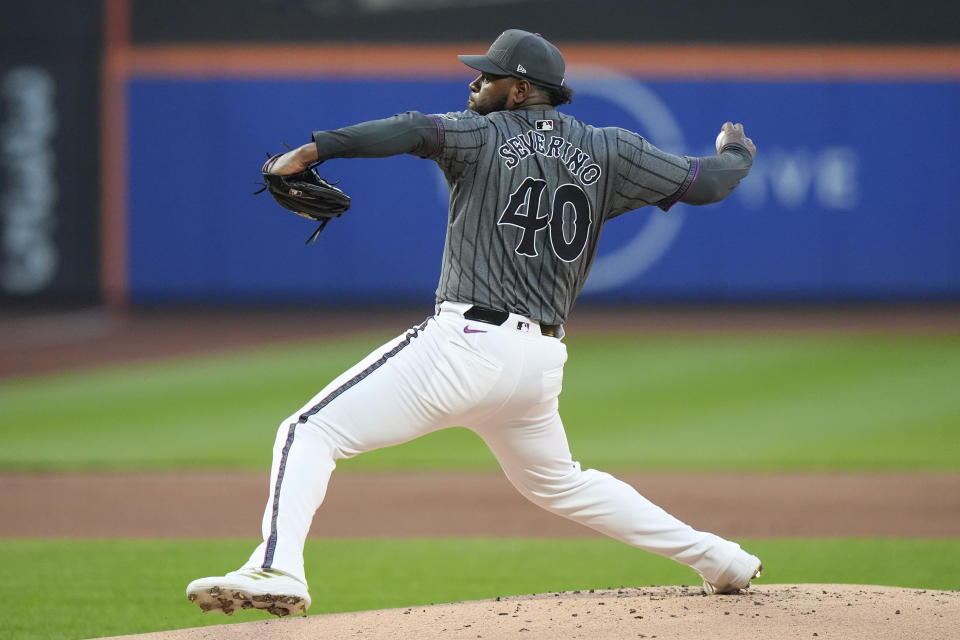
(502,382)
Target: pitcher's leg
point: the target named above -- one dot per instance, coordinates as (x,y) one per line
(372,405)
(535,457)
(298,481)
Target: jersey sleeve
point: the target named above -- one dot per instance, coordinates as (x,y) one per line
(647,175)
(410,132)
(461,136)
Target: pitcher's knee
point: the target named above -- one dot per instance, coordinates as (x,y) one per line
(315,432)
(551,489)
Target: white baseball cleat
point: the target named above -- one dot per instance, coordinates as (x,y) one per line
(266,589)
(737,577)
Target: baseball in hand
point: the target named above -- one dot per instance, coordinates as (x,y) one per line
(721,138)
(727,132)
(730,132)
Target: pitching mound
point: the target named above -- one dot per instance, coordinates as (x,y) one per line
(765,612)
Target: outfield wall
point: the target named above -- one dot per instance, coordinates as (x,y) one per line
(850,197)
(131,132)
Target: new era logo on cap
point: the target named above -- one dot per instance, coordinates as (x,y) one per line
(522,54)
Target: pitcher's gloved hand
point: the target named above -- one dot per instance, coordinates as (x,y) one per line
(306,194)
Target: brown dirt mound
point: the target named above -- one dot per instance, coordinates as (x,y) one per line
(766,612)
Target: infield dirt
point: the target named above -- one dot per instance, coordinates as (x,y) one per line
(230,504)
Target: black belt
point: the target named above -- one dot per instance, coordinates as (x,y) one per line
(492,316)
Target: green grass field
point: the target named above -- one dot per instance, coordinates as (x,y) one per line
(634,403)
(750,403)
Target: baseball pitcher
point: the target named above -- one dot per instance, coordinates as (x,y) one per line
(530,190)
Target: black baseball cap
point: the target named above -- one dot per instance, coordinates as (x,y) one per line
(521,54)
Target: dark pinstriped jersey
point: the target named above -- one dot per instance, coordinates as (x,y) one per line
(529,194)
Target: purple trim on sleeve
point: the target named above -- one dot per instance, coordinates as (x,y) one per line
(696,174)
(436,121)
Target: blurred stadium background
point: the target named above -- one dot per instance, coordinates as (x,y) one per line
(131,137)
(132,133)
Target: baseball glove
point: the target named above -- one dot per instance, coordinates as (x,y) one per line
(306,194)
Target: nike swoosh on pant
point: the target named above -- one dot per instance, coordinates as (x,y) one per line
(467,329)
